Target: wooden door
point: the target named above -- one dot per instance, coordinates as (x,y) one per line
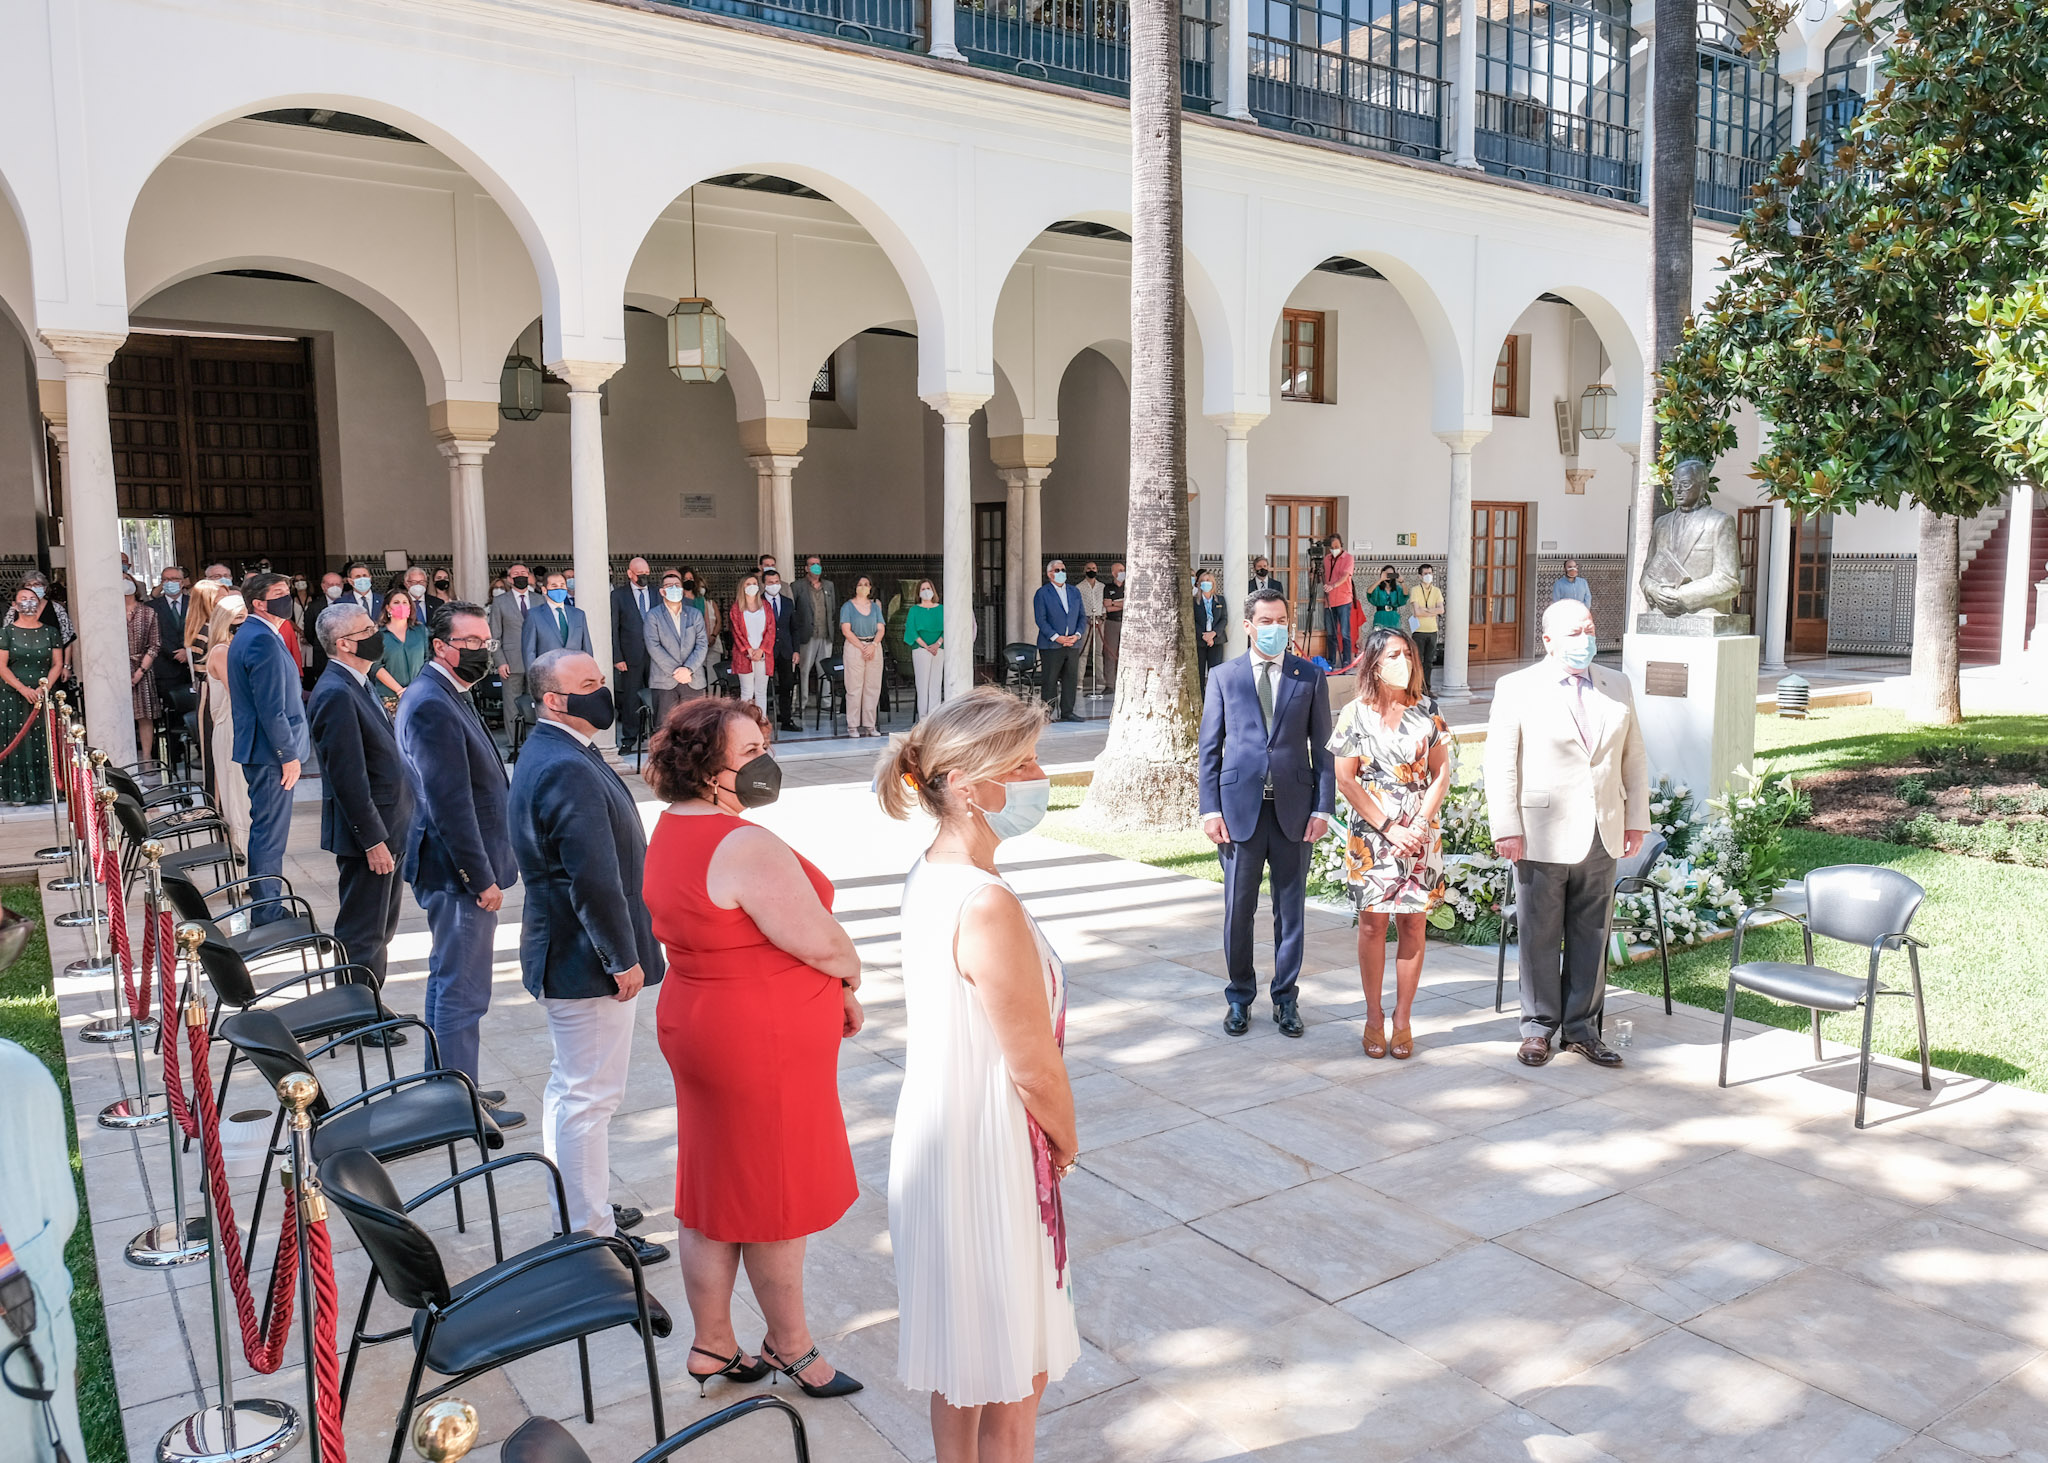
(219,436)
(1295,530)
(1813,537)
(990,536)
(1495,627)
(1751,524)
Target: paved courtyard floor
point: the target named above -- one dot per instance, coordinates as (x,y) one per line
(1283,1250)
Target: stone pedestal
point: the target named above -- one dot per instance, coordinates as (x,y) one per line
(1696,697)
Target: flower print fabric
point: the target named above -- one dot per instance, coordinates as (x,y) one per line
(1393,764)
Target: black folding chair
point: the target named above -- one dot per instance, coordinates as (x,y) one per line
(569,1287)
(543,1440)
(526,716)
(184,857)
(296,932)
(830,697)
(1020,668)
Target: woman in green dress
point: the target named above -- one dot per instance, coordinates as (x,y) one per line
(1386,600)
(405,645)
(31,651)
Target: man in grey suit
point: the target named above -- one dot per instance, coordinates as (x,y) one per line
(676,645)
(553,624)
(508,626)
(1567,792)
(817,622)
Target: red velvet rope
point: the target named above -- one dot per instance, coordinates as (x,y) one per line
(326,1360)
(265,1352)
(174,1085)
(107,868)
(26,727)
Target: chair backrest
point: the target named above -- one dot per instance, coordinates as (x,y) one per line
(122,783)
(225,969)
(134,822)
(1644,861)
(541,1440)
(524,707)
(1020,655)
(184,895)
(1856,903)
(263,1038)
(407,1264)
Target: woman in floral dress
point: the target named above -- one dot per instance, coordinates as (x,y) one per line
(1393,754)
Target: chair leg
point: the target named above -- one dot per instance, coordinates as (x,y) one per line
(1816,1032)
(1663,946)
(1920,1015)
(412,1392)
(583,1363)
(1500,966)
(263,1188)
(491,1202)
(355,1341)
(1727,1030)
(453,1169)
(1863,1068)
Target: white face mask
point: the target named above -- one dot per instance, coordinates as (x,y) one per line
(1428,577)
(332,591)
(417,591)
(1118,576)
(361,583)
(1395,672)
(673,593)
(1024,807)
(926,595)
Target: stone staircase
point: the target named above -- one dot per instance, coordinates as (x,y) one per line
(1983,582)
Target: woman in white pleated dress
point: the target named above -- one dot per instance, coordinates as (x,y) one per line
(985,1123)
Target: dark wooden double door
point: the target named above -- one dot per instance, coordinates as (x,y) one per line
(220,438)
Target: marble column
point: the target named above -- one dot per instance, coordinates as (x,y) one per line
(470,559)
(2019,557)
(589,523)
(1457,618)
(1016,605)
(1237,61)
(93,540)
(1024,546)
(939,39)
(1776,610)
(1465,95)
(956,410)
(778,521)
(1802,87)
(1237,516)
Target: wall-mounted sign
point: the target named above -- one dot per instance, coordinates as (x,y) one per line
(1407,540)
(1666,677)
(700,505)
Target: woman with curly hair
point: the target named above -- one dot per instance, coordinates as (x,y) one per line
(1393,752)
(759,994)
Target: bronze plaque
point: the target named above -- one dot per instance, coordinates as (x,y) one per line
(1666,677)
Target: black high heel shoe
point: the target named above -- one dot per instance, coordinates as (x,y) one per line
(841,1384)
(735,1369)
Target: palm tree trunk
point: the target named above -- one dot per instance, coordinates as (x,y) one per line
(1936,694)
(1674,84)
(1145,777)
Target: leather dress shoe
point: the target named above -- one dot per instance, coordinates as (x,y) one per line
(491,1096)
(789,726)
(1073,718)
(1236,1020)
(1596,1051)
(1287,1018)
(1535,1051)
(625,1216)
(381,1038)
(649,1252)
(502,1115)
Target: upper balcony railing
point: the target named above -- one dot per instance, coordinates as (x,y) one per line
(1084,43)
(1325,93)
(1520,138)
(897,24)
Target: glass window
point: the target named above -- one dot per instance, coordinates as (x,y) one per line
(1301,355)
(1507,378)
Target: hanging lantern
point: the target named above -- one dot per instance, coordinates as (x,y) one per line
(519,389)
(696,341)
(1596,412)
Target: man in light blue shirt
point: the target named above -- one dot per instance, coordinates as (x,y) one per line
(1571,586)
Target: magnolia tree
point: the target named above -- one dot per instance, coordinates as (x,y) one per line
(1883,304)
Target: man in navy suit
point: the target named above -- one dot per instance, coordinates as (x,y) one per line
(366,809)
(459,857)
(553,624)
(1061,624)
(630,603)
(270,729)
(586,941)
(1268,783)
(788,650)
(1210,634)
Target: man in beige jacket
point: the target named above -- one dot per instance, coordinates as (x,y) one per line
(1567,792)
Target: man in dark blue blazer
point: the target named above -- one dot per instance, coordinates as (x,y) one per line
(1056,609)
(270,730)
(789,649)
(586,940)
(630,603)
(553,624)
(1268,783)
(366,809)
(1212,634)
(458,858)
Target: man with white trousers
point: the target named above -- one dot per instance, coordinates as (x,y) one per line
(587,943)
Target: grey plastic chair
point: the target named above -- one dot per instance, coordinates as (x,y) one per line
(1858,904)
(1631,876)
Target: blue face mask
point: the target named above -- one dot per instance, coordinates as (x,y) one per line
(1271,639)
(1059,576)
(559,596)
(1579,650)
(1024,805)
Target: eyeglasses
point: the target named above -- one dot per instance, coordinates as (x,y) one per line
(474,642)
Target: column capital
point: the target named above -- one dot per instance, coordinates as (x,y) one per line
(585,375)
(469,421)
(774,436)
(83,351)
(466,451)
(769,463)
(1463,440)
(1023,477)
(1804,76)
(955,407)
(1235,424)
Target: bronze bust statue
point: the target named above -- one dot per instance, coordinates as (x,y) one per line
(1694,568)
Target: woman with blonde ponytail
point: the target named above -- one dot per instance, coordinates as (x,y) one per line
(985,1123)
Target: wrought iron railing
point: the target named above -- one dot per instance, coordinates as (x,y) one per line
(896,24)
(1721,182)
(1084,43)
(1518,137)
(1323,93)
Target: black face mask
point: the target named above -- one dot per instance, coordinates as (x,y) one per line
(689,586)
(471,666)
(757,783)
(1089,575)
(595,707)
(279,607)
(520,581)
(371,649)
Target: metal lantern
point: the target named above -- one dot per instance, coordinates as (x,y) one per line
(696,341)
(519,389)
(1596,411)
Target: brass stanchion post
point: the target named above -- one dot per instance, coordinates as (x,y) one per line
(136,1111)
(180,1241)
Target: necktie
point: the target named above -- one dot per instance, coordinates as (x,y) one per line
(641,595)
(1266,692)
(562,624)
(1579,713)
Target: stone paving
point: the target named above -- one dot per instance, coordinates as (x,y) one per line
(1283,1250)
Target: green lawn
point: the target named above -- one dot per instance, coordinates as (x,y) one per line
(1986,974)
(28,1015)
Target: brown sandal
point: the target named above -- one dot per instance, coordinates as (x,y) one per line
(1404,1044)
(1375,1039)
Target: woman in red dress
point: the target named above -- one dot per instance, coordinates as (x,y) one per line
(759,995)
